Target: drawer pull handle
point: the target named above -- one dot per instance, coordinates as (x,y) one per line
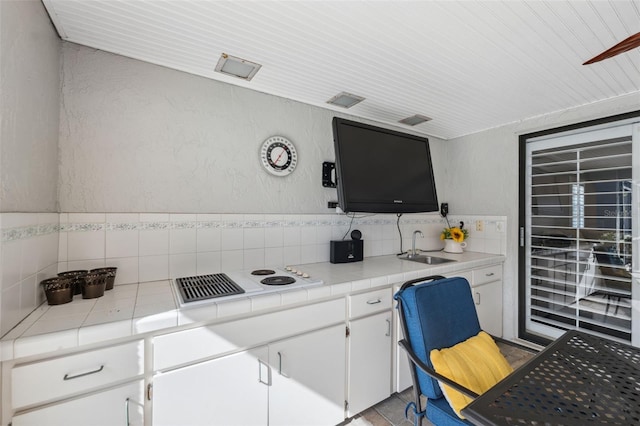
(490,274)
(374,302)
(68,377)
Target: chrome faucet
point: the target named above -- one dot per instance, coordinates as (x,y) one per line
(413,244)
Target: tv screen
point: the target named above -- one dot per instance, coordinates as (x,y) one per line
(382,171)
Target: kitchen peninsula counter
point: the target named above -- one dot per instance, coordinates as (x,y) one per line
(136,310)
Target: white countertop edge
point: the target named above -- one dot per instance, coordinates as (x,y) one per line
(342,279)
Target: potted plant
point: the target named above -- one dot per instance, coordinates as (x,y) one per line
(453,238)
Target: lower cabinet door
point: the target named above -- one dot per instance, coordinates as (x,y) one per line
(308,379)
(232,390)
(369,362)
(123,406)
(488,299)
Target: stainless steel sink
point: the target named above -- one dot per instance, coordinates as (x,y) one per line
(429,260)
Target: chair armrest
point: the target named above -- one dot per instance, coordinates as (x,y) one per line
(431,372)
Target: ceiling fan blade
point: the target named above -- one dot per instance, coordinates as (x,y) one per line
(626,44)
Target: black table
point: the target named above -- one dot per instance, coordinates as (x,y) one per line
(579,379)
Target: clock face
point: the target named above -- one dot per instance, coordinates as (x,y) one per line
(278,156)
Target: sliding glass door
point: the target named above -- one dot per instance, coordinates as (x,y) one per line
(578,232)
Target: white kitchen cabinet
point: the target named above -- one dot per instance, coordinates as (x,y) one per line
(369,361)
(486,287)
(308,386)
(280,368)
(185,347)
(57,378)
(231,390)
(296,381)
(121,405)
(84,388)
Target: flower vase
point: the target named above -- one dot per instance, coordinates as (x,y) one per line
(451,246)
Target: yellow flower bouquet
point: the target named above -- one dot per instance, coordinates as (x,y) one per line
(454,233)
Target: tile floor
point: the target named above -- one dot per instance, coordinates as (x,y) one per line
(390,412)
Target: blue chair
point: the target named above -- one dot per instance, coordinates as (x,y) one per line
(435,313)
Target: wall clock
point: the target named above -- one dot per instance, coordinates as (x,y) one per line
(279,156)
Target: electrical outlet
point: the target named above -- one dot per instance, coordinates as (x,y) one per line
(500,226)
(480,225)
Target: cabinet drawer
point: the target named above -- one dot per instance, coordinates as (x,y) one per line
(110,407)
(487,275)
(467,275)
(369,303)
(57,378)
(187,346)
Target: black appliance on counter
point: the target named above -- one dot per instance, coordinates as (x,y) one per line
(345,251)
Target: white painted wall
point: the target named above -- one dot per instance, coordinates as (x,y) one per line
(482,177)
(29,107)
(137,137)
(29,111)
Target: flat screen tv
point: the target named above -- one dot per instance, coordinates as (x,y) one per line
(382,171)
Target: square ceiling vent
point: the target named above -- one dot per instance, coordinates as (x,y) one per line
(345,100)
(414,120)
(237,67)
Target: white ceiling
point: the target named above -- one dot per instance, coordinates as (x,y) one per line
(470,65)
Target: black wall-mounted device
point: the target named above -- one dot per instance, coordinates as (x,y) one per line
(444,209)
(328,174)
(345,251)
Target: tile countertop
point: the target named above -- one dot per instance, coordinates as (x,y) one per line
(136,309)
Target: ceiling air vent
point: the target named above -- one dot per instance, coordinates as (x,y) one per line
(237,67)
(414,120)
(345,100)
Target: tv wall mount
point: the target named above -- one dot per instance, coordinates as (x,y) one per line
(328,174)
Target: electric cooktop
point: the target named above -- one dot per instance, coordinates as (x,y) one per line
(200,289)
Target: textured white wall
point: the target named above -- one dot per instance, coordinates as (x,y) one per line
(29,107)
(136,137)
(482,176)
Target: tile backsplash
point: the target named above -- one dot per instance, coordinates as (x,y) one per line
(29,248)
(150,247)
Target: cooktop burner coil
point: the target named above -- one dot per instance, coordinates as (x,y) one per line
(263,272)
(278,280)
(207,287)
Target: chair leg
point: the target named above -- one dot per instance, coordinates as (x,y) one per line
(417,414)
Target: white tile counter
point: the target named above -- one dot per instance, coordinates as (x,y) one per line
(136,309)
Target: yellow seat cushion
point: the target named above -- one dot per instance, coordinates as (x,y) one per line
(476,364)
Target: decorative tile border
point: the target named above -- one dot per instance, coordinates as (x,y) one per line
(241,224)
(31,231)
